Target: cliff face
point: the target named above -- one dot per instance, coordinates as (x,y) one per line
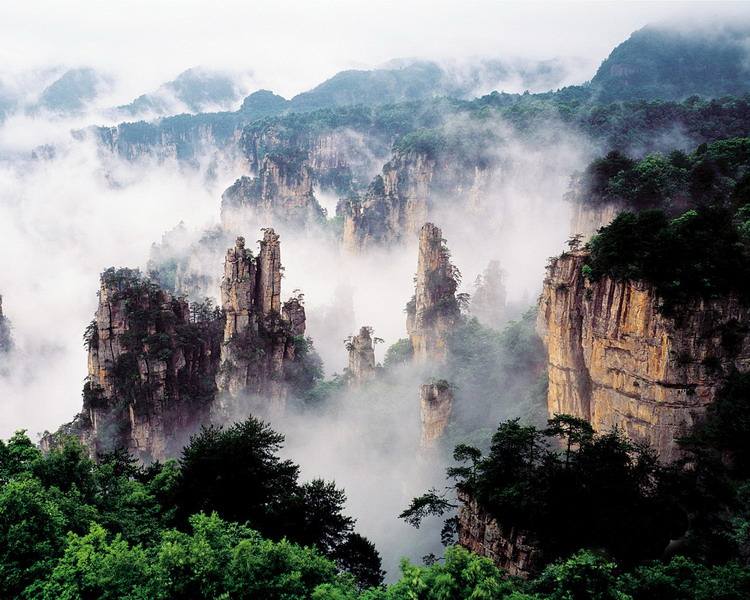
(435,407)
(154,361)
(614,359)
(184,137)
(260,333)
(361,357)
(282,192)
(395,205)
(433,311)
(403,196)
(338,158)
(586,219)
(151,369)
(510,549)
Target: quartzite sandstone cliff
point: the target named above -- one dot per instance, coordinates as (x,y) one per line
(260,333)
(616,359)
(151,368)
(6,341)
(361,357)
(403,197)
(435,407)
(282,192)
(433,311)
(508,547)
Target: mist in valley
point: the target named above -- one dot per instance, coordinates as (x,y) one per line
(69,208)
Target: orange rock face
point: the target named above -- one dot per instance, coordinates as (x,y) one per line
(434,310)
(616,360)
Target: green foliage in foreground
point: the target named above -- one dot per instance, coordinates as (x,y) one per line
(608,489)
(49,503)
(215,559)
(74,529)
(585,575)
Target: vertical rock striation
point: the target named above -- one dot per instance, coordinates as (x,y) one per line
(260,334)
(151,368)
(282,192)
(394,206)
(615,359)
(433,311)
(511,549)
(361,357)
(404,195)
(435,407)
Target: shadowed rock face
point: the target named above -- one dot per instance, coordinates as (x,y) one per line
(259,334)
(282,192)
(151,369)
(614,359)
(154,362)
(361,357)
(433,312)
(511,549)
(435,407)
(403,196)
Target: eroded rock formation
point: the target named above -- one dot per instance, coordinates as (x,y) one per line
(433,311)
(260,334)
(339,158)
(615,359)
(361,357)
(282,192)
(435,407)
(403,196)
(509,548)
(151,368)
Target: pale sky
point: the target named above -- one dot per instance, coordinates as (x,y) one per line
(293,45)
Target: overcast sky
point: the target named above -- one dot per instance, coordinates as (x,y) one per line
(292,45)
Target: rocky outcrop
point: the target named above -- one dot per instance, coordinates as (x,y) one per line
(186,138)
(616,359)
(361,357)
(339,159)
(151,368)
(282,192)
(435,407)
(433,311)
(154,361)
(509,548)
(394,206)
(404,196)
(260,335)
